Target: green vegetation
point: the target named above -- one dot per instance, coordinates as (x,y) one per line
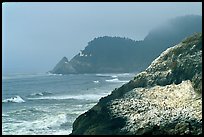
(181,62)
(119,55)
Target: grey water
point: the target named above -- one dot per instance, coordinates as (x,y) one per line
(48,104)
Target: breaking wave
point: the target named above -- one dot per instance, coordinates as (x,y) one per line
(96,81)
(51,74)
(5,115)
(116,80)
(106,75)
(116,75)
(16,99)
(40,94)
(77,97)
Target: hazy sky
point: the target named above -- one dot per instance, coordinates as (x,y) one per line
(37,35)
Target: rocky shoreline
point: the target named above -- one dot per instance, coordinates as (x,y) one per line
(156,106)
(164,99)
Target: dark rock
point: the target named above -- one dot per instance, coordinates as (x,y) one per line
(63,67)
(100,120)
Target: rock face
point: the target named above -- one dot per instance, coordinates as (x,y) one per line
(63,67)
(164,99)
(160,110)
(121,55)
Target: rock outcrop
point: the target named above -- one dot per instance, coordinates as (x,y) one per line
(120,55)
(63,67)
(164,99)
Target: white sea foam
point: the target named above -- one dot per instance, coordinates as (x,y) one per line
(124,74)
(103,75)
(116,80)
(114,75)
(16,99)
(48,124)
(52,74)
(107,75)
(96,81)
(37,94)
(50,118)
(94,97)
(40,94)
(112,80)
(5,115)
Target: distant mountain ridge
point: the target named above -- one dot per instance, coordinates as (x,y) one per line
(119,55)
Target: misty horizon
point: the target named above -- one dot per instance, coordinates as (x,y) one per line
(37,35)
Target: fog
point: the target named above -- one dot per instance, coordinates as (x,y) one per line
(37,35)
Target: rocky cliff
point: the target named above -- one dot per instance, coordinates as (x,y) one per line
(63,67)
(118,55)
(164,99)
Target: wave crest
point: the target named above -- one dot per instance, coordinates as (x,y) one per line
(116,80)
(40,94)
(96,81)
(53,74)
(16,99)
(115,75)
(93,97)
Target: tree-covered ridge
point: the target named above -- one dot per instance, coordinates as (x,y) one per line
(119,55)
(163,91)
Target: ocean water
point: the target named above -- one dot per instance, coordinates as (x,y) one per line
(49,104)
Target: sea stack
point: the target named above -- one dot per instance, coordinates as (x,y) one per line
(63,67)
